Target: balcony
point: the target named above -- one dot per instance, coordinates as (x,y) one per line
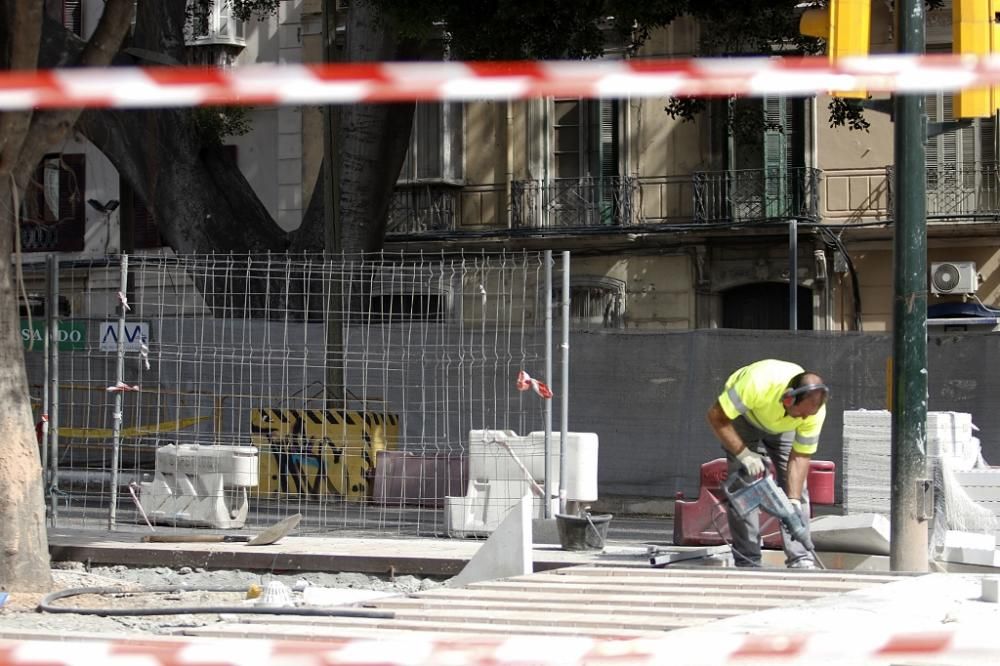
(743,197)
(756,195)
(214,25)
(445,207)
(958,192)
(574,203)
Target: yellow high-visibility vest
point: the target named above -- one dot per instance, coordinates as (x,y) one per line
(754,391)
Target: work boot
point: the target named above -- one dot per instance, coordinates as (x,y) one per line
(804,563)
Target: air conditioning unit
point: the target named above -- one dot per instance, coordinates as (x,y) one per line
(954,277)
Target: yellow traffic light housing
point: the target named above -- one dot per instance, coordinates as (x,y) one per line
(846,27)
(975,31)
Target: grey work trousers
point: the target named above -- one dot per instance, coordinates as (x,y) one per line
(745,532)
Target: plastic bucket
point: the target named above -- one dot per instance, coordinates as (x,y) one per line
(585,532)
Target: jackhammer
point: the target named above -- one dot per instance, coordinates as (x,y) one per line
(765,494)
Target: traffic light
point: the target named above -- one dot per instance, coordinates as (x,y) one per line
(975,31)
(846,27)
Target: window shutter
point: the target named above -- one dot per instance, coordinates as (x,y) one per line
(988,140)
(775,156)
(72,216)
(72,17)
(608,138)
(932,155)
(607,159)
(950,141)
(428,118)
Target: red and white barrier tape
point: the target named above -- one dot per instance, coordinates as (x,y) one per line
(345,83)
(694,650)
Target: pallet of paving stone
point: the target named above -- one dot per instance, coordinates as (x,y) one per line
(867,440)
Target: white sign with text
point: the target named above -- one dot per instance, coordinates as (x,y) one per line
(135,333)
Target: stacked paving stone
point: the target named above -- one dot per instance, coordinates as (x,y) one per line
(867,446)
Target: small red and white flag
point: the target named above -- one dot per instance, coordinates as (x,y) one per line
(525,382)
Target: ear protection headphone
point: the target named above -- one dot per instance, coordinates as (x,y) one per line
(793,396)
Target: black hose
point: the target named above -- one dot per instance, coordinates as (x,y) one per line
(45,605)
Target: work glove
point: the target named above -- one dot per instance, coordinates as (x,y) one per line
(752,462)
(796,503)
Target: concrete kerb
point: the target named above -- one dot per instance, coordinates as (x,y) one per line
(435,557)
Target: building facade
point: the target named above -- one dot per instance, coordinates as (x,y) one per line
(672,224)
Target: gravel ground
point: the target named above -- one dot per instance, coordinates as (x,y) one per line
(20,612)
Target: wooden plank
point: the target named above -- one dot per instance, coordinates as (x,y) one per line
(639,588)
(657,597)
(353,628)
(563,607)
(726,574)
(579,617)
(742,603)
(698,582)
(613,603)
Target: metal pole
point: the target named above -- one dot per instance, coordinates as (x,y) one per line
(909,501)
(793,274)
(116,417)
(564,385)
(53,382)
(43,424)
(548,377)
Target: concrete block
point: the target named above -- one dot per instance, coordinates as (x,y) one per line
(545,531)
(858,533)
(991,589)
(979,556)
(977,540)
(508,551)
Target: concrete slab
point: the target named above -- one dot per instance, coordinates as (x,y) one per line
(506,553)
(979,556)
(866,533)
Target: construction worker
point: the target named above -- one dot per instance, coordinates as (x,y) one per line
(775,408)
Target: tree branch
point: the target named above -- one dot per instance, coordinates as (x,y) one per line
(48,128)
(22,31)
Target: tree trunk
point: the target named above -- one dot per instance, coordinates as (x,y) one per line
(200,199)
(371,142)
(24,561)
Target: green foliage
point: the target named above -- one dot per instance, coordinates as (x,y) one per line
(847,113)
(751,27)
(514,29)
(685,108)
(215,123)
(247,9)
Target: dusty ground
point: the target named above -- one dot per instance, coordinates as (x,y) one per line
(20,611)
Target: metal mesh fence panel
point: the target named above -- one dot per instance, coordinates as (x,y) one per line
(253,387)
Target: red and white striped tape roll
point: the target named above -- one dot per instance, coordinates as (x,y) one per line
(700,649)
(345,83)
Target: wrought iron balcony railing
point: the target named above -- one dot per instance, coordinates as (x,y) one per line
(574,203)
(958,191)
(756,195)
(420,208)
(739,197)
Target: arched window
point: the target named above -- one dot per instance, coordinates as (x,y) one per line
(594,302)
